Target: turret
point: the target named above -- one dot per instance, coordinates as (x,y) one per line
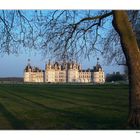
(97,67)
(48,66)
(98,73)
(28,67)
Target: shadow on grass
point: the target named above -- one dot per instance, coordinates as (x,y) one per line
(70,119)
(16,123)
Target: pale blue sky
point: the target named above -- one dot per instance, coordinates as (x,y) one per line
(13,66)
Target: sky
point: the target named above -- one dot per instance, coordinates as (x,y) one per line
(13,65)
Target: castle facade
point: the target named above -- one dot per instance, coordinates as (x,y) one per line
(64,72)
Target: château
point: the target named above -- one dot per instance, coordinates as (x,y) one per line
(64,72)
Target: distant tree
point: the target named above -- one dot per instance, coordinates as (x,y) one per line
(115,77)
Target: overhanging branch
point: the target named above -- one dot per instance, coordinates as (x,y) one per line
(94,18)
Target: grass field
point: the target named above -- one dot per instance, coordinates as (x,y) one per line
(95,107)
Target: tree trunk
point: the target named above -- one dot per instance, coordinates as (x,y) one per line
(132,53)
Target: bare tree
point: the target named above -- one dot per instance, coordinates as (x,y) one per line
(112,51)
(17,31)
(70,34)
(79,32)
(132,54)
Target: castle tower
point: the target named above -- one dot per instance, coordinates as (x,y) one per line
(33,74)
(49,72)
(27,72)
(73,72)
(98,73)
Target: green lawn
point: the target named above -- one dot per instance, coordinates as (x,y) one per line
(63,106)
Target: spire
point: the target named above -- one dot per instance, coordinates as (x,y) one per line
(49,61)
(29,62)
(98,66)
(97,60)
(28,66)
